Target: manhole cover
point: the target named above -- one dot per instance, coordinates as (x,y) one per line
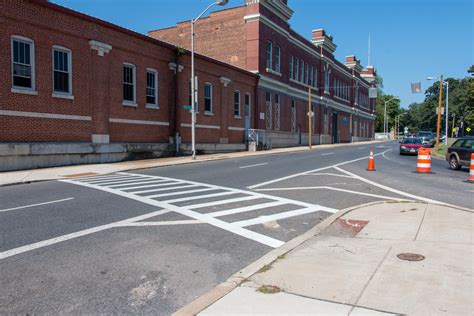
(410,256)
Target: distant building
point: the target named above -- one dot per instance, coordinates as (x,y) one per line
(257,36)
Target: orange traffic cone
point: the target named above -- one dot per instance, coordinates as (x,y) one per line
(371,166)
(470,178)
(423,164)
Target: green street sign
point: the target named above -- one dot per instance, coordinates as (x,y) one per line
(188,107)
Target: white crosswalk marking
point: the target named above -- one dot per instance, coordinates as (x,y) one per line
(175,191)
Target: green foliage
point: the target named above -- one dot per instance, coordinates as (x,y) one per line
(422,116)
(393,109)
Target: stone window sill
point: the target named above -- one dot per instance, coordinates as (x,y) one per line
(63,96)
(129,103)
(152,106)
(24,91)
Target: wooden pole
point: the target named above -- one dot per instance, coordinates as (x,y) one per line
(438,126)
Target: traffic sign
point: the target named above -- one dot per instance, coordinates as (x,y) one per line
(188,107)
(468,129)
(310,113)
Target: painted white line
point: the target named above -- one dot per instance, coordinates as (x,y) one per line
(394,160)
(52,241)
(174,187)
(245,209)
(33,205)
(114,181)
(334,189)
(180,192)
(108,179)
(271,242)
(164,223)
(274,217)
(199,197)
(327,154)
(416,197)
(220,202)
(360,148)
(311,171)
(150,184)
(250,166)
(380,147)
(328,174)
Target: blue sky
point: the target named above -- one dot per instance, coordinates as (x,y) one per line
(411,39)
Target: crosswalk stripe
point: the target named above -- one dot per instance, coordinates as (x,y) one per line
(245,209)
(149,185)
(220,202)
(180,192)
(109,179)
(274,217)
(166,189)
(169,186)
(199,197)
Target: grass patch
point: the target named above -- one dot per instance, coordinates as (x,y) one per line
(264,269)
(441,152)
(269,289)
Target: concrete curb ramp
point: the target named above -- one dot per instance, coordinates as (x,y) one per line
(349,265)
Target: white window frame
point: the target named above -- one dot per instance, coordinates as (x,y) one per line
(248,96)
(156,104)
(278,59)
(208,84)
(134,72)
(60,94)
(291,64)
(269,55)
(239,113)
(19,89)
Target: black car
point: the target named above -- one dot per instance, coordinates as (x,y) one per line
(459,154)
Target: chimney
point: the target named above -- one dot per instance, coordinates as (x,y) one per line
(321,38)
(369,74)
(353,63)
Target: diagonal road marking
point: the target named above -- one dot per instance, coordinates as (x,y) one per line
(37,204)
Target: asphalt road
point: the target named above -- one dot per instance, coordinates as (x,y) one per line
(153,240)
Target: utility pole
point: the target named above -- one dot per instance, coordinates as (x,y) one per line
(310,118)
(438,126)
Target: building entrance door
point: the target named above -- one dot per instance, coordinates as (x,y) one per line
(247,117)
(335,128)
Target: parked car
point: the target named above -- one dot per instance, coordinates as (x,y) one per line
(410,145)
(427,138)
(459,154)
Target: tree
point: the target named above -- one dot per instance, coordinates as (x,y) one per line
(393,109)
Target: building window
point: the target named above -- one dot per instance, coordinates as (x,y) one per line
(129,79)
(293,115)
(268,112)
(269,55)
(237,103)
(297,69)
(208,97)
(306,74)
(247,105)
(292,61)
(315,77)
(302,71)
(62,70)
(277,59)
(311,76)
(152,87)
(277,112)
(23,63)
(327,71)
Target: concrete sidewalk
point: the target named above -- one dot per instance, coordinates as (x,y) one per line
(26,176)
(357,262)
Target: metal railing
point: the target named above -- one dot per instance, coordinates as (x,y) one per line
(259,136)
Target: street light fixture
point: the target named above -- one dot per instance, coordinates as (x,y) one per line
(193,77)
(385,113)
(447,104)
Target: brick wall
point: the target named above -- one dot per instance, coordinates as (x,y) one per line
(97,104)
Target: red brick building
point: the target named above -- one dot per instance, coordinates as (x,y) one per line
(257,36)
(77,89)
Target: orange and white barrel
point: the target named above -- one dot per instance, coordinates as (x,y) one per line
(424,160)
(471,169)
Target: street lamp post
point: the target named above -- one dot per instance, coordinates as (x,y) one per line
(447,105)
(385,114)
(193,77)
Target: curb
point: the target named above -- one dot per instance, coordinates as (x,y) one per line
(224,156)
(224,288)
